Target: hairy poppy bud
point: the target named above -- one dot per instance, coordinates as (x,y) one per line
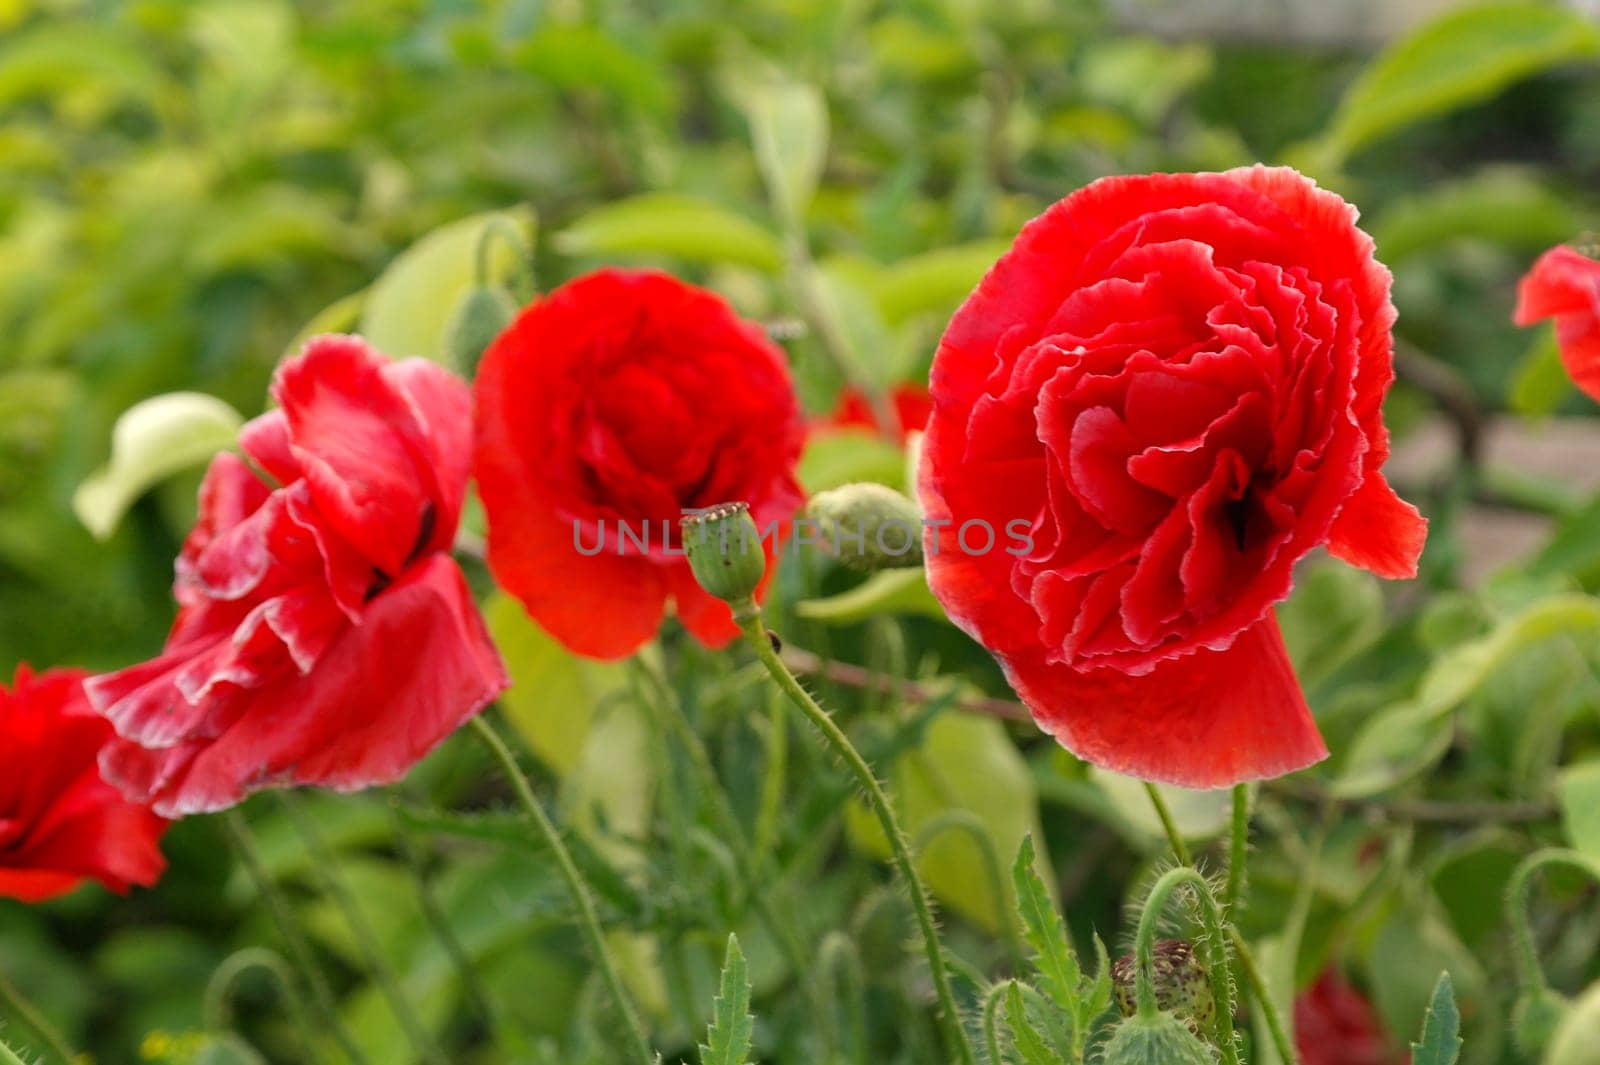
(1182,984)
(1158,1039)
(724,549)
(1535,1018)
(869,526)
(483,314)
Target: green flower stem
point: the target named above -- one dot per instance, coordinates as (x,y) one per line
(1238,850)
(1258,987)
(216,1011)
(14,1000)
(1216,946)
(575,886)
(749,618)
(1179,847)
(326,868)
(1529,970)
(321,994)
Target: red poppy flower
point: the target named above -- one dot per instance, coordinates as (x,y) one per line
(1564,284)
(1172,384)
(910,402)
(324,634)
(60,822)
(1335,1025)
(604,410)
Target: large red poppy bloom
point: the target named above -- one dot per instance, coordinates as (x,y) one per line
(60,822)
(604,410)
(324,635)
(1334,1024)
(1174,382)
(1564,284)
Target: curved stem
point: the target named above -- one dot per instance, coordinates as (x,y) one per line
(575,886)
(325,866)
(1179,847)
(1238,850)
(501,226)
(215,1009)
(991,1033)
(14,1000)
(749,619)
(1216,946)
(321,994)
(1517,891)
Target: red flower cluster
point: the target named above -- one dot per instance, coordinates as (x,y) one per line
(910,402)
(60,822)
(324,635)
(1565,285)
(1335,1025)
(607,408)
(1177,379)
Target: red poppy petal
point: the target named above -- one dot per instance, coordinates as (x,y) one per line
(1562,281)
(1379,531)
(1207,720)
(708,618)
(36,885)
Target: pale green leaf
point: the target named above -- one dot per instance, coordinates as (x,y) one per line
(1508,208)
(935,281)
(409,307)
(1025,1038)
(788,130)
(153,440)
(1441,1029)
(1335,613)
(835,457)
(1198,814)
(340,316)
(728,1037)
(1395,745)
(1540,382)
(1579,792)
(673,226)
(894,591)
(1042,926)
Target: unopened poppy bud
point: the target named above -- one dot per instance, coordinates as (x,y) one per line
(1182,984)
(1156,1039)
(869,526)
(1535,1018)
(483,314)
(724,550)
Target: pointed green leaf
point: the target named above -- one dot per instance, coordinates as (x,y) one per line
(788,129)
(1580,807)
(728,1038)
(678,227)
(1441,1029)
(1024,1036)
(1053,955)
(893,591)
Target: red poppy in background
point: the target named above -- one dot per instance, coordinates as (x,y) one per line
(1564,284)
(324,635)
(910,402)
(1335,1025)
(1175,381)
(612,404)
(60,822)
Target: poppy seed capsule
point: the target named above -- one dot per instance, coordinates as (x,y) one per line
(1158,1039)
(1182,984)
(869,526)
(724,550)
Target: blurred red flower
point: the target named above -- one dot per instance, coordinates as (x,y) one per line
(1176,381)
(1335,1025)
(60,822)
(910,402)
(324,635)
(1564,284)
(606,408)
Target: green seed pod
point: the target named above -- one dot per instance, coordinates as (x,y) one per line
(869,526)
(725,551)
(483,314)
(1535,1018)
(1161,1039)
(1577,1041)
(1182,984)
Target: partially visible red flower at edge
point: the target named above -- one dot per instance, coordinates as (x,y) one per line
(604,410)
(1564,284)
(910,402)
(324,634)
(1335,1025)
(60,822)
(1174,382)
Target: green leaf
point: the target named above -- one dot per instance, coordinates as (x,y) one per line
(1395,745)
(1441,1028)
(1024,1036)
(1198,814)
(409,307)
(553,693)
(1335,613)
(1508,208)
(1540,382)
(728,1037)
(835,457)
(678,227)
(153,440)
(1579,792)
(1464,57)
(1042,926)
(789,131)
(935,281)
(893,591)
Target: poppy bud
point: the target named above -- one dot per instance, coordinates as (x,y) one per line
(1156,1039)
(1535,1018)
(724,550)
(481,315)
(1577,1041)
(1182,984)
(869,526)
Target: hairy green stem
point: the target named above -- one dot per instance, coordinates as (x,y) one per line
(749,618)
(289,928)
(1179,847)
(1530,972)
(1216,947)
(330,875)
(215,1009)
(576,886)
(14,1000)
